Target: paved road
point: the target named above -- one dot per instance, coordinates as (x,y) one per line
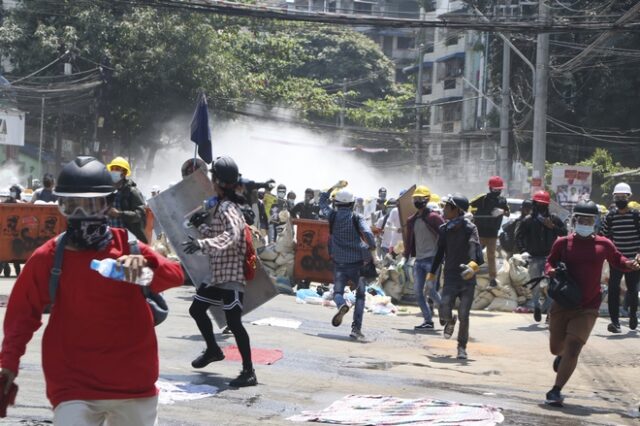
(509,367)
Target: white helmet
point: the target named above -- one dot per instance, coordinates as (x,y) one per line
(344,197)
(622,188)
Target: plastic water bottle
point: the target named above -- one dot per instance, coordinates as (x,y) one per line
(210,203)
(109,268)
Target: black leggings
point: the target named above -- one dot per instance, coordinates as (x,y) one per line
(198,312)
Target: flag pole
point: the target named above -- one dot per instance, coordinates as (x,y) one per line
(195,152)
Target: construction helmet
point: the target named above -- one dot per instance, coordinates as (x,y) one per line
(422,191)
(542,197)
(344,197)
(603,209)
(225,171)
(586,208)
(496,182)
(622,188)
(458,200)
(435,198)
(84,177)
(120,162)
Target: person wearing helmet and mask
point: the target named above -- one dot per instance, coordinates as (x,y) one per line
(535,235)
(622,226)
(490,208)
(459,246)
(128,206)
(223,232)
(351,245)
(423,229)
(390,228)
(99,349)
(382,199)
(583,252)
(279,205)
(306,209)
(45,194)
(510,229)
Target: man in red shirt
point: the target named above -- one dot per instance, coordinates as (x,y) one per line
(583,253)
(99,349)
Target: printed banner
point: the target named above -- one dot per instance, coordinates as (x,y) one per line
(571,184)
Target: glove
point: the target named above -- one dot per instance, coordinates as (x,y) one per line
(191,246)
(199,218)
(468,270)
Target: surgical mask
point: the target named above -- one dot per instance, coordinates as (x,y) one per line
(282,194)
(584,230)
(116,176)
(622,204)
(420,204)
(89,233)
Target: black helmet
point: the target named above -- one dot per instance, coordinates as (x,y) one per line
(225,171)
(586,208)
(383,189)
(188,167)
(281,187)
(458,200)
(309,191)
(84,177)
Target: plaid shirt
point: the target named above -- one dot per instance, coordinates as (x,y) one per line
(224,243)
(116,222)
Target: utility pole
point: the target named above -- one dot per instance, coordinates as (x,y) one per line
(504,169)
(41,137)
(540,106)
(343,102)
(418,141)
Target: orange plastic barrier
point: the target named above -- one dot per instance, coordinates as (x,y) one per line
(25,227)
(312,260)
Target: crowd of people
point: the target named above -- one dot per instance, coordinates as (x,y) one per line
(444,236)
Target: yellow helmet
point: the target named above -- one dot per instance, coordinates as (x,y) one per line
(435,198)
(634,205)
(602,209)
(422,191)
(120,162)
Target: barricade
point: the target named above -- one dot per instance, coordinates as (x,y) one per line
(312,261)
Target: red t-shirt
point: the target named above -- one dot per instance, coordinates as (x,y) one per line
(100,341)
(584,258)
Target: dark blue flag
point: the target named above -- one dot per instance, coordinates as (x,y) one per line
(200,132)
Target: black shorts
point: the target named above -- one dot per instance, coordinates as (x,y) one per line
(215,296)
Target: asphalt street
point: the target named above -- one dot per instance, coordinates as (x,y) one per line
(509,366)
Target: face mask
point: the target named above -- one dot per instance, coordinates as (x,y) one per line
(622,204)
(291,203)
(496,192)
(420,204)
(89,233)
(116,176)
(14,194)
(584,230)
(282,194)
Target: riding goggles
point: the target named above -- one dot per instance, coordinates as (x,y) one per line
(79,207)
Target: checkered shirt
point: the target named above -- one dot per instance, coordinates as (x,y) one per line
(116,222)
(224,243)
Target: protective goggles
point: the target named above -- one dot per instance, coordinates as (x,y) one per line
(79,207)
(620,197)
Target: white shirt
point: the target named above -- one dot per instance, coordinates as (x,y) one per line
(390,235)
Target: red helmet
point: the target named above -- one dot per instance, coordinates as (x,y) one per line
(542,197)
(496,182)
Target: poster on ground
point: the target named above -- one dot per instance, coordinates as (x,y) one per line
(571,184)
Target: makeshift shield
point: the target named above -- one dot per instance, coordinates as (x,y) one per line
(405,210)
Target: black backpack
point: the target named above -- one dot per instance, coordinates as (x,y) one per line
(508,236)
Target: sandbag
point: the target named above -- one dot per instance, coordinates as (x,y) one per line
(268,254)
(503,277)
(392,289)
(502,305)
(285,259)
(482,300)
(518,271)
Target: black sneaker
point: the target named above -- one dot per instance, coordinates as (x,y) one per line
(556,363)
(537,314)
(614,328)
(246,378)
(633,321)
(554,398)
(337,318)
(450,327)
(356,334)
(207,358)
(227,330)
(427,325)
(6,270)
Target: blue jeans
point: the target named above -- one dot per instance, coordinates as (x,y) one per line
(420,270)
(536,269)
(343,274)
